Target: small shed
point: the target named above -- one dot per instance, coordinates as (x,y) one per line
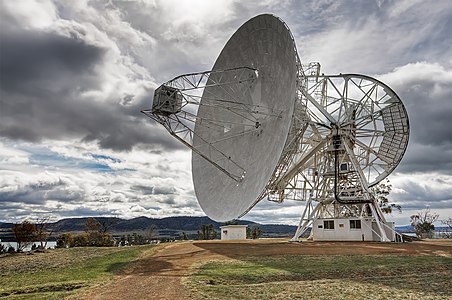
(233,232)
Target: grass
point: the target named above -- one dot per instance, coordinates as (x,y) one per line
(325,277)
(55,274)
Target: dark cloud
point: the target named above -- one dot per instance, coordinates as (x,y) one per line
(32,61)
(43,78)
(429,106)
(426,92)
(143,189)
(6,205)
(168,200)
(64,116)
(415,204)
(40,192)
(426,158)
(422,193)
(164,190)
(154,190)
(85,212)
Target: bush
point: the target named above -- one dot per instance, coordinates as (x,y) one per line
(67,240)
(80,240)
(423,223)
(64,240)
(24,233)
(104,240)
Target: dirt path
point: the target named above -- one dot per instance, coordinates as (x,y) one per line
(155,277)
(159,276)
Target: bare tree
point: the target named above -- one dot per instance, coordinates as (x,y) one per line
(184,236)
(448,223)
(106,224)
(93,231)
(151,232)
(92,225)
(207,232)
(44,230)
(423,222)
(256,233)
(97,233)
(24,233)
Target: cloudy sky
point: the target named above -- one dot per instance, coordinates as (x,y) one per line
(74,76)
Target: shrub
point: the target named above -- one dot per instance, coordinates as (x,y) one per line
(95,239)
(24,234)
(80,240)
(64,240)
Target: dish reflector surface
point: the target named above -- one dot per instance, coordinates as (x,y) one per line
(256,118)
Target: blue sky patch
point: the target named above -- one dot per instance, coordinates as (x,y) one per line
(48,158)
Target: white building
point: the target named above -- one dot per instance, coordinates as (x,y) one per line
(233,232)
(349,229)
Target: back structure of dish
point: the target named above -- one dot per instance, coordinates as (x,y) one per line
(255,118)
(351,121)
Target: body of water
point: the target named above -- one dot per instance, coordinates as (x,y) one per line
(410,234)
(14,244)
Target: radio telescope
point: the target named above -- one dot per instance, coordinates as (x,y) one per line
(262,125)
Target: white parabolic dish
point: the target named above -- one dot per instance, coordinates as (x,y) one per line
(265,44)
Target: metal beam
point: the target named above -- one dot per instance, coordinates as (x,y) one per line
(299,166)
(318,106)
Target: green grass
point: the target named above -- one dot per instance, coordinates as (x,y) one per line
(58,273)
(325,277)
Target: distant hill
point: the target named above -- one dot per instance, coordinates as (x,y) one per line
(141,223)
(166,227)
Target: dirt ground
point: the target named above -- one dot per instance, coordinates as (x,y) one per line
(160,276)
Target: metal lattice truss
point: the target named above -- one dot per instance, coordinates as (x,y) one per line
(371,123)
(176,103)
(348,132)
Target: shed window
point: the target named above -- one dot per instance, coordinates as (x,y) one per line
(328,224)
(355,224)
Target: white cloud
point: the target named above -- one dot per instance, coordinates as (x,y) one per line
(69,188)
(378,41)
(11,157)
(32,13)
(431,189)
(419,72)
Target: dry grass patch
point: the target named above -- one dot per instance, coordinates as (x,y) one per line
(325,277)
(57,273)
